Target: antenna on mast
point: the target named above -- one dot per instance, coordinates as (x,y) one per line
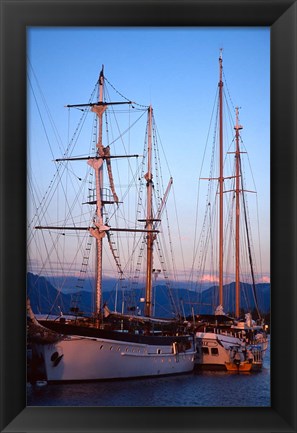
(221,183)
(101,76)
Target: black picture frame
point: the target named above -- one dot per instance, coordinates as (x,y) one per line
(281,17)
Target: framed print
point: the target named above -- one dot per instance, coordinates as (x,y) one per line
(22,39)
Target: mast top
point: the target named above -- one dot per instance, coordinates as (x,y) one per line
(221,68)
(100,102)
(237,125)
(101,76)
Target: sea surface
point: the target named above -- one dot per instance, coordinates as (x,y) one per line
(196,389)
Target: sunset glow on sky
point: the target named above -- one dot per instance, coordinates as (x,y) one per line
(175,70)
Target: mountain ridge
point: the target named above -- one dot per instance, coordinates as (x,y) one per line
(46,299)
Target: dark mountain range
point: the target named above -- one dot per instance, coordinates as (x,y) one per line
(68,285)
(45,299)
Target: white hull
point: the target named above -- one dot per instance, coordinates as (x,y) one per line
(214,350)
(84,358)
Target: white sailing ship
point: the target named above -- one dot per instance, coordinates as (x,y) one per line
(110,344)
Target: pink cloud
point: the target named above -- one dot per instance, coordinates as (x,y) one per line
(265,279)
(206,278)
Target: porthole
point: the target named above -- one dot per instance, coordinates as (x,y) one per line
(54,356)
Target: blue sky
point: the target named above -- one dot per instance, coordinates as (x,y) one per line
(175,70)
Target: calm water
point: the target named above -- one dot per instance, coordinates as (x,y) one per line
(195,389)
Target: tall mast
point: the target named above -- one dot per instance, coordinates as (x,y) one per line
(102,154)
(97,164)
(149,219)
(237,220)
(221,184)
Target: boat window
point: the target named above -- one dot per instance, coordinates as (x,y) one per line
(205,350)
(214,351)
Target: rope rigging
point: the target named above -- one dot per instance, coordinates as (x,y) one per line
(136,248)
